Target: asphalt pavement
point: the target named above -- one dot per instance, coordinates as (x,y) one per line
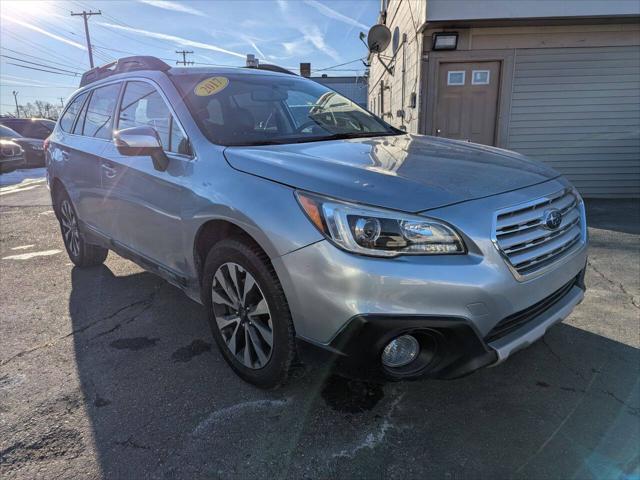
(110,372)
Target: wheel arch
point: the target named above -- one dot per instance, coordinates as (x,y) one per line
(57,187)
(215,230)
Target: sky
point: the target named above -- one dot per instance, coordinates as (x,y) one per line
(43,35)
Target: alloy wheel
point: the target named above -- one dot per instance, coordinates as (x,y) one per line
(70,231)
(242,315)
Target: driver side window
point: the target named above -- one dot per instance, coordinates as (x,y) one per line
(142,105)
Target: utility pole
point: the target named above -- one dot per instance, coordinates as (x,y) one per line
(184,57)
(15,97)
(85,15)
(61,102)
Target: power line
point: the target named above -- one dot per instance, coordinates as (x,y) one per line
(184,54)
(85,16)
(34,56)
(44,50)
(41,69)
(39,64)
(40,86)
(339,65)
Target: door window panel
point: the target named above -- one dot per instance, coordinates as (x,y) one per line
(142,105)
(66,122)
(98,121)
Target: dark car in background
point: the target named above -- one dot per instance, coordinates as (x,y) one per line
(11,154)
(31,135)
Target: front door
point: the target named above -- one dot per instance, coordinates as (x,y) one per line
(467,101)
(145,205)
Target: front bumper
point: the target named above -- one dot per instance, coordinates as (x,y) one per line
(330,290)
(450,347)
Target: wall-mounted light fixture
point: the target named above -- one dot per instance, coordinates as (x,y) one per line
(445,41)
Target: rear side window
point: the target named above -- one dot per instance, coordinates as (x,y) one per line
(70,114)
(142,105)
(98,121)
(34,129)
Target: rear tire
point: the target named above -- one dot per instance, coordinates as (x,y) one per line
(248,312)
(81,253)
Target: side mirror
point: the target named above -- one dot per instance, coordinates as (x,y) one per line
(143,140)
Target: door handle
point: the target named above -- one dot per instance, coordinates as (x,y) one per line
(109,172)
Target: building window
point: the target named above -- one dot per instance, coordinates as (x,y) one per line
(395,42)
(456,78)
(480,77)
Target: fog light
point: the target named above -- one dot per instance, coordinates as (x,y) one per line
(400,351)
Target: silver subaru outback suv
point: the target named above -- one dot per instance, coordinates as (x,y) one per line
(310,229)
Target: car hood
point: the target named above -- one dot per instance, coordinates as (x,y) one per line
(34,142)
(403,172)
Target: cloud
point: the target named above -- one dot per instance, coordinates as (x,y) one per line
(283,5)
(44,32)
(311,37)
(331,13)
(174,6)
(314,36)
(172,38)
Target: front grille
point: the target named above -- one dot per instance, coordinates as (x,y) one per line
(527,244)
(517,320)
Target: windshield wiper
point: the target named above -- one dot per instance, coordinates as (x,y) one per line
(335,136)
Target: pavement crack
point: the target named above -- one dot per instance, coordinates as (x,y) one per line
(130,443)
(635,411)
(619,285)
(147,302)
(560,360)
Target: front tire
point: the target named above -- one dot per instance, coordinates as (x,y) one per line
(248,312)
(81,253)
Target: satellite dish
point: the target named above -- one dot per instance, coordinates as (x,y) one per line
(378,38)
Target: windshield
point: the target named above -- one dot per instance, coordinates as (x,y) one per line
(250,109)
(6,132)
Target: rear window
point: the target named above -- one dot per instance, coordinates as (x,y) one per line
(31,128)
(71,113)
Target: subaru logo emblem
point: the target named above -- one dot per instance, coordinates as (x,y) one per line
(552,218)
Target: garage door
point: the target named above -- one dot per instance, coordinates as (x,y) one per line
(578,110)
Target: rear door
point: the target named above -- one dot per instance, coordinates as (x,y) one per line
(92,135)
(71,161)
(145,205)
(468,101)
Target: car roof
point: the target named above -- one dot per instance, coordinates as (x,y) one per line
(177,71)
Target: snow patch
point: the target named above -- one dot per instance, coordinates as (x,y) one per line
(19,176)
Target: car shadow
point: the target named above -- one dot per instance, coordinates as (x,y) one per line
(162,403)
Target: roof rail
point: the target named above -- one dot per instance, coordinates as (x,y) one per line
(272,68)
(126,64)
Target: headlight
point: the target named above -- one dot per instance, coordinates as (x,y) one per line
(378,232)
